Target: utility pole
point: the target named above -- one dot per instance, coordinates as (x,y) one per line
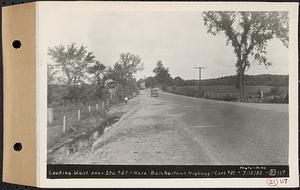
(199,69)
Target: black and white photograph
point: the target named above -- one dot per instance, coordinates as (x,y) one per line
(165,87)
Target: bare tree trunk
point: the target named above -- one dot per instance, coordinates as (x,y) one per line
(242,85)
(243,88)
(241,81)
(239,78)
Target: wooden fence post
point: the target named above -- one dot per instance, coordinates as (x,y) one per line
(96,106)
(64,124)
(89,108)
(50,115)
(78,115)
(262,94)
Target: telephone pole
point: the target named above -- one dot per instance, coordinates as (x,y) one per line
(199,69)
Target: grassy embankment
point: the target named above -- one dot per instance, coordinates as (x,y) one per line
(228,92)
(79,118)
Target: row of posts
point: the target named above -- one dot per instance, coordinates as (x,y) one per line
(50,117)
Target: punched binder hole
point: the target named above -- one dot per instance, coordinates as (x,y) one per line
(18,146)
(16,44)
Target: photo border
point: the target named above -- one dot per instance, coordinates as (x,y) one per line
(200,182)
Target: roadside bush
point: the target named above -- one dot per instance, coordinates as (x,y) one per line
(229,98)
(274,90)
(165,88)
(276,100)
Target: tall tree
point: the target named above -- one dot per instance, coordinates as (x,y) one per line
(178,81)
(140,83)
(150,82)
(73,62)
(125,68)
(162,75)
(123,73)
(98,71)
(248,34)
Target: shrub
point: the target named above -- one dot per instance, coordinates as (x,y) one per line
(229,98)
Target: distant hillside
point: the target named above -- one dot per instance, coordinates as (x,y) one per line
(253,80)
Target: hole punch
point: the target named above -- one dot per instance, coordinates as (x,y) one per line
(18,146)
(16,44)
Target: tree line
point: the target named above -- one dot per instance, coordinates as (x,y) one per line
(251,80)
(164,78)
(161,79)
(76,75)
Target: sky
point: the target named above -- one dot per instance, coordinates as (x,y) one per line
(178,38)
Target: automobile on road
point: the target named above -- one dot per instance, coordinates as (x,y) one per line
(154,92)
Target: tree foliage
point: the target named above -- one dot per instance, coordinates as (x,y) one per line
(178,81)
(162,75)
(128,89)
(248,33)
(98,71)
(72,62)
(141,83)
(150,82)
(125,68)
(253,80)
(123,73)
(76,76)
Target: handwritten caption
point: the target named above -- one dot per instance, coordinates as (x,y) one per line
(168,172)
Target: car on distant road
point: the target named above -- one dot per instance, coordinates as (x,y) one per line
(154,92)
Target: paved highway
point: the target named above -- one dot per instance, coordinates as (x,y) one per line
(173,129)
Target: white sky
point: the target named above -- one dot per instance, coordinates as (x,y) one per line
(178,38)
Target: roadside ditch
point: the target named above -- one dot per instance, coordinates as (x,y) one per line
(80,140)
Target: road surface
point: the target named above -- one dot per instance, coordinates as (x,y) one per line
(172,129)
